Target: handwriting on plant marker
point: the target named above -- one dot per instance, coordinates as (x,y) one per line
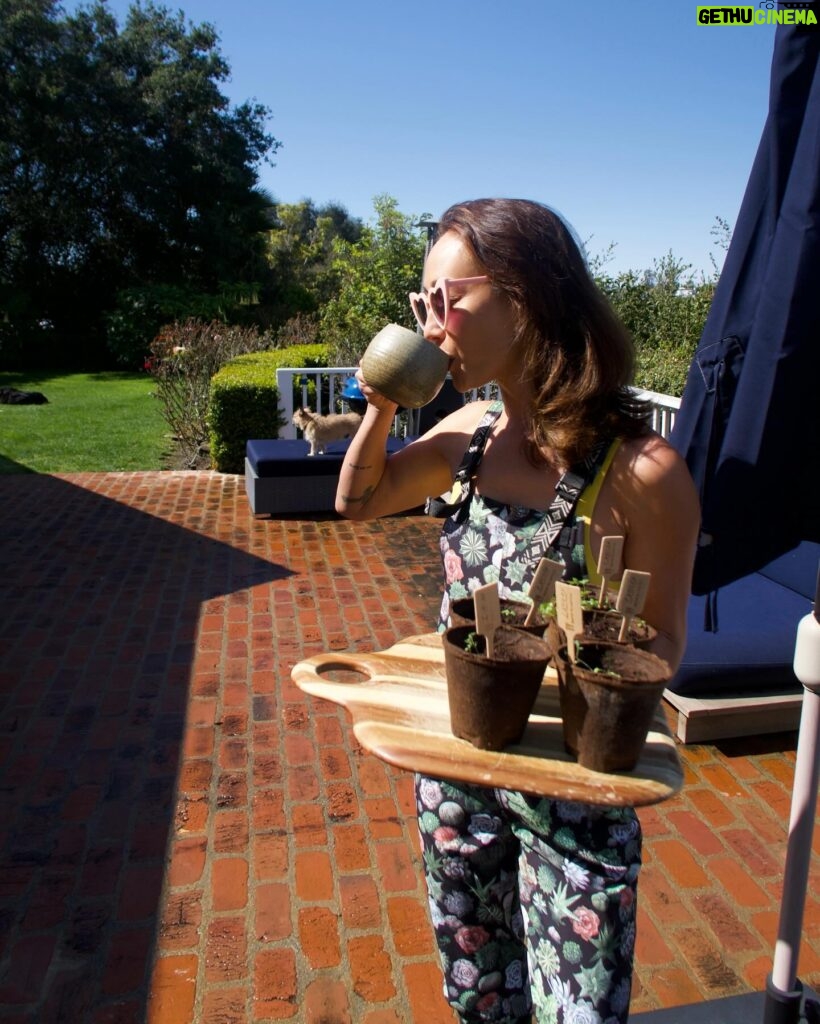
(568,613)
(543,585)
(487,614)
(609,562)
(631,597)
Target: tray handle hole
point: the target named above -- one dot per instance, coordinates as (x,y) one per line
(342,672)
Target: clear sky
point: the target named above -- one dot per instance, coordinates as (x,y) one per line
(636,123)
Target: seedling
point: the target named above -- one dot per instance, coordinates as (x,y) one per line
(631,597)
(472,644)
(596,670)
(590,600)
(542,587)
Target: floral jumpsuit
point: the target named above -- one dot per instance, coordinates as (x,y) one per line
(533,900)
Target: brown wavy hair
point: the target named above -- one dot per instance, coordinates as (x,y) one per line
(575,352)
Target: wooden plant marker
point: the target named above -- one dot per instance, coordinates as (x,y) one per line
(543,585)
(631,597)
(568,613)
(609,562)
(487,613)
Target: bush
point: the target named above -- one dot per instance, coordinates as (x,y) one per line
(375,273)
(141,311)
(245,401)
(663,369)
(184,357)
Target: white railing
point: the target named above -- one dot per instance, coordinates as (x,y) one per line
(664,410)
(329,382)
(293,380)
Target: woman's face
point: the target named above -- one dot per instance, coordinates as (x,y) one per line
(479,332)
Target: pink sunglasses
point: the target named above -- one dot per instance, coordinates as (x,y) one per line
(437,300)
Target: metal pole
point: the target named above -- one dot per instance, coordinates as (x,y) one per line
(783,990)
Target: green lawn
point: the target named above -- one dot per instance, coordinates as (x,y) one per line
(93,422)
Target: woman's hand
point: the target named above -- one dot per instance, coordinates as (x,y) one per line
(373,397)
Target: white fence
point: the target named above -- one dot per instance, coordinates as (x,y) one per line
(328,383)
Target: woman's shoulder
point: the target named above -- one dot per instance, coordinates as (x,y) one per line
(650,461)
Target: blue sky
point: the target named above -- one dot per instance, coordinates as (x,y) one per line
(635,122)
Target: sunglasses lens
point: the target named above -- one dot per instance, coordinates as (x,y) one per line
(437,304)
(420,310)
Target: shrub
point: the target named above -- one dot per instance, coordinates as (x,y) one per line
(184,357)
(374,275)
(245,401)
(141,311)
(663,369)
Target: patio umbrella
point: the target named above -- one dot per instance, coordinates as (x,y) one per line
(749,427)
(749,423)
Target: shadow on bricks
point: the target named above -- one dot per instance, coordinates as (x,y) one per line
(98,626)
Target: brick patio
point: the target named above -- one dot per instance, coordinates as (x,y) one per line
(186,837)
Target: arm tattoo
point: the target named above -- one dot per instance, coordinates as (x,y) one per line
(355,465)
(349,499)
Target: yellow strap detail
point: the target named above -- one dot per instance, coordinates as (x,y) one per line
(586,506)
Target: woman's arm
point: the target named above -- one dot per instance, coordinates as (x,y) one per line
(371,484)
(658,501)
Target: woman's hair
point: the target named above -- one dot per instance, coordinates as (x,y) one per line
(575,352)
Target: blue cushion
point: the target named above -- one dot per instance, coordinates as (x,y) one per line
(797,569)
(753,650)
(287,458)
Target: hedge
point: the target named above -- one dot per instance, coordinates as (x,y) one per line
(244,401)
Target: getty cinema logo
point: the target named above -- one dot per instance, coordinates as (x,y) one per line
(767,12)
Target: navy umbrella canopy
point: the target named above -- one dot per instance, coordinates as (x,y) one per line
(749,423)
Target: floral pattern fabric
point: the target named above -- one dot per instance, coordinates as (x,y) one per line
(533,901)
(483,541)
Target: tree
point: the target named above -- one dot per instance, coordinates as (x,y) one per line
(375,274)
(300,254)
(121,165)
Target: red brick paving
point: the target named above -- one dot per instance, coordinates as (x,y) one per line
(186,837)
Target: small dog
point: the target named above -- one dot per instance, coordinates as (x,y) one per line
(321,429)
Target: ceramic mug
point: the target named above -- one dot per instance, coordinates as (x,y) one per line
(404,367)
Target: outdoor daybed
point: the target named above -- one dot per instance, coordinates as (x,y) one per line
(739,681)
(280,475)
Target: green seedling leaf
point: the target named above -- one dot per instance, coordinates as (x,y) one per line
(631,597)
(542,587)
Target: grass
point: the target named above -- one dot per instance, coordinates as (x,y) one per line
(92,422)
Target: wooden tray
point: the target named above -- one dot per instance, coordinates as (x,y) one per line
(398,701)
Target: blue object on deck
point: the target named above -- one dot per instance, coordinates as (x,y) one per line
(753,649)
(352,390)
(281,475)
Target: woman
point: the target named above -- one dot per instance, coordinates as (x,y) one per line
(533,901)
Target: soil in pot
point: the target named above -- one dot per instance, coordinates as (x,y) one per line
(605,625)
(491,698)
(513,613)
(609,697)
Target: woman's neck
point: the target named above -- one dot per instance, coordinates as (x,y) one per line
(516,424)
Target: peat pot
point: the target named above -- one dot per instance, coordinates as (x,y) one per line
(491,698)
(604,625)
(609,697)
(513,613)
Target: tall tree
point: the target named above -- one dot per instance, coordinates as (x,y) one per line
(121,164)
(300,253)
(375,273)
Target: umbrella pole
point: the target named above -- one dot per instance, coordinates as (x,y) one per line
(783,990)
